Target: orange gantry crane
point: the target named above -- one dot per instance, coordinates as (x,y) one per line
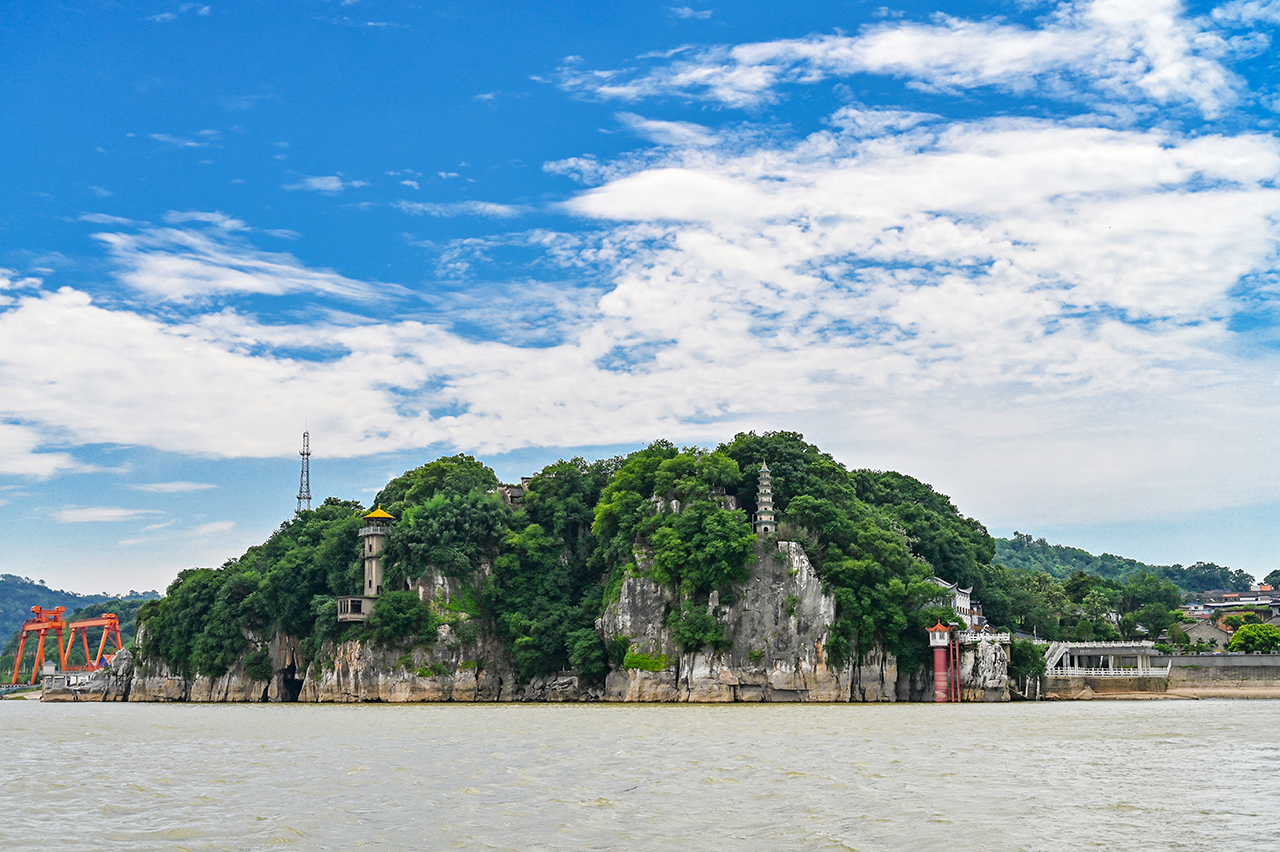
(44,621)
(52,620)
(110,625)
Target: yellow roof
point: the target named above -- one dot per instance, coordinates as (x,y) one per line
(378,513)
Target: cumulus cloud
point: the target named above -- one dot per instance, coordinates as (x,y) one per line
(1092,49)
(891,281)
(22,452)
(1248,12)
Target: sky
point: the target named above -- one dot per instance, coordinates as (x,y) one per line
(1025,252)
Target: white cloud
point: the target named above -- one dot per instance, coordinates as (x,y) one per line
(459,208)
(214,527)
(105,219)
(686,12)
(181,264)
(218,220)
(178,141)
(96,514)
(667,132)
(1093,49)
(409,183)
(327,183)
(1039,309)
(22,453)
(1248,12)
(172,487)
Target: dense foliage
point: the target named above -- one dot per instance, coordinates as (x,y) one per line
(535,572)
(1255,639)
(1060,561)
(210,617)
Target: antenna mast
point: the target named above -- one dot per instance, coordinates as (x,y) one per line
(304,487)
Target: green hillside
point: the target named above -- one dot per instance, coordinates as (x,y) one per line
(1061,561)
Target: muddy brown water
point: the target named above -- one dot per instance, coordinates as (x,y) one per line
(1167,775)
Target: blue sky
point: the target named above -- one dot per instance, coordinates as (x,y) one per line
(1023,251)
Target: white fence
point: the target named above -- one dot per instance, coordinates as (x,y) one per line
(1157,671)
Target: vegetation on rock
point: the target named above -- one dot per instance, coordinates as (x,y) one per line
(535,573)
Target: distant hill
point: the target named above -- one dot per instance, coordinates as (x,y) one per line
(19,594)
(125,609)
(1023,551)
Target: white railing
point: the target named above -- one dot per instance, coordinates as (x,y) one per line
(374,531)
(1156,671)
(1131,644)
(973,636)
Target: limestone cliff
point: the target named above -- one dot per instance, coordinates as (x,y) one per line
(777,626)
(777,622)
(466,662)
(152,679)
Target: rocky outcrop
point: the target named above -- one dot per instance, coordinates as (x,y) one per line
(778,623)
(465,663)
(107,684)
(153,680)
(984,670)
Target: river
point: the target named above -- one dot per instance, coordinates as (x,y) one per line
(1167,775)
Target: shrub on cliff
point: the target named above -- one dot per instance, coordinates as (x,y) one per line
(668,502)
(400,618)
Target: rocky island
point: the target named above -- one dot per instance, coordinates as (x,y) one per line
(762,570)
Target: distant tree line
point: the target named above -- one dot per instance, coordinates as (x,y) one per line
(1061,561)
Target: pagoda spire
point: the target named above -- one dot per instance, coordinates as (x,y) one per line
(765,521)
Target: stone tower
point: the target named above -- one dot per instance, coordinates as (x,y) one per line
(360,607)
(765,522)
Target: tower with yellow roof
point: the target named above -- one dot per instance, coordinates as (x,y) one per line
(374,532)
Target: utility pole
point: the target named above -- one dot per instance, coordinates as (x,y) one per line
(304,487)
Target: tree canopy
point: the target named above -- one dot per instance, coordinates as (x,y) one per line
(538,571)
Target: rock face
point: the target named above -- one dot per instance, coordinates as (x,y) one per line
(777,622)
(153,680)
(466,662)
(109,684)
(984,670)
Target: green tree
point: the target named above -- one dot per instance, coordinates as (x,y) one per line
(1256,639)
(1026,660)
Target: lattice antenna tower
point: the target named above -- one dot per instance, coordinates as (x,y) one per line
(304,486)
